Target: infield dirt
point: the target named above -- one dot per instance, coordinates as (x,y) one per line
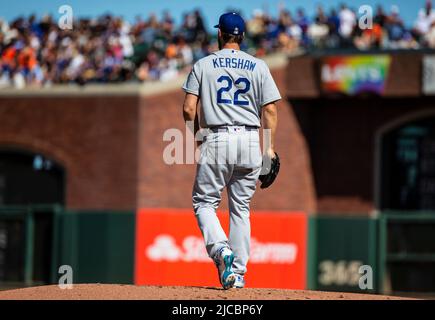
(131,292)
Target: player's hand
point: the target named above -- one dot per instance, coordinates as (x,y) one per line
(270,153)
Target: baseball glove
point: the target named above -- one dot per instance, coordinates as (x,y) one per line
(269,171)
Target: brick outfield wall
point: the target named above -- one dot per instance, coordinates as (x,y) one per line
(111,147)
(94,138)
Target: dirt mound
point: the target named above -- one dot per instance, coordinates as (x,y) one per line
(130,292)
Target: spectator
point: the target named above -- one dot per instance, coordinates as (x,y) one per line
(256,27)
(318,31)
(303,23)
(321,17)
(426,17)
(347,22)
(394,26)
(290,38)
(429,37)
(380,17)
(333,22)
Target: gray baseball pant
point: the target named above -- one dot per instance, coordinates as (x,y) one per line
(229,159)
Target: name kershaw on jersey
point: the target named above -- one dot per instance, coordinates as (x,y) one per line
(234,63)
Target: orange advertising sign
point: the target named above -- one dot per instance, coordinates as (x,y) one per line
(170,250)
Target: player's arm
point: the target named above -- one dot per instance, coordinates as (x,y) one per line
(191,99)
(270,122)
(270,95)
(189,110)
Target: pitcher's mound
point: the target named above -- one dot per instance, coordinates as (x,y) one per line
(130,292)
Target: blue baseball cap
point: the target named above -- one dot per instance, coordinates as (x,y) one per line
(231,23)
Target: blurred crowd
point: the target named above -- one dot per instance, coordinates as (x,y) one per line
(343,28)
(36,52)
(105,49)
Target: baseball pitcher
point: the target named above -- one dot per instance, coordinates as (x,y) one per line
(236,90)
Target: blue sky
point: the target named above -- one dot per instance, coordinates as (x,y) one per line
(211,9)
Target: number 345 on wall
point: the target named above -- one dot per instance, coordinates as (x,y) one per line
(345,273)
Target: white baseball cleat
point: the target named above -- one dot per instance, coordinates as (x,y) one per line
(224,260)
(240,281)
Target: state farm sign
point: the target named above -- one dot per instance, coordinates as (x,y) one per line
(170,249)
(165,248)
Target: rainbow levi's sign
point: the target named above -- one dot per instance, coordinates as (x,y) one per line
(355,74)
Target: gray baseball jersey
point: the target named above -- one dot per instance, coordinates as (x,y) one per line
(232,86)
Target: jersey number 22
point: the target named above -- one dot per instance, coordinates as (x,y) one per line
(229,84)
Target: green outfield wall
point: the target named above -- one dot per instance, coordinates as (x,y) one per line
(338,247)
(99,246)
(35,241)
